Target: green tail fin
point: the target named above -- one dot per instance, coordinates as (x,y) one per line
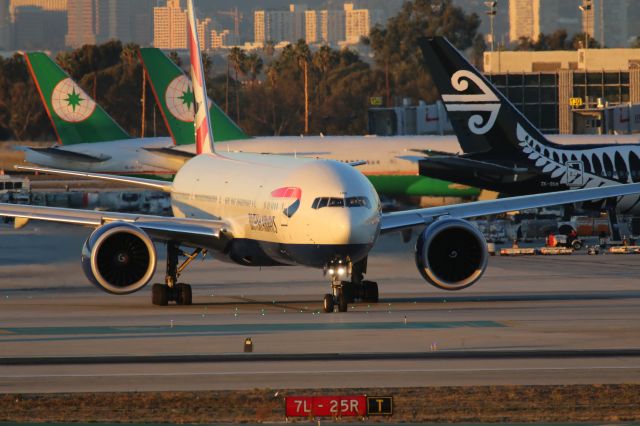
(76,117)
(174,94)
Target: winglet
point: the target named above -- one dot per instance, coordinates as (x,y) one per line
(204,130)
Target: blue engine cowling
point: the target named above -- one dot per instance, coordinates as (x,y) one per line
(119,258)
(451,254)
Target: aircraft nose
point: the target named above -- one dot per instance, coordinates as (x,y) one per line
(354,226)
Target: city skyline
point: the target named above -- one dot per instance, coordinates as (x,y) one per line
(65,24)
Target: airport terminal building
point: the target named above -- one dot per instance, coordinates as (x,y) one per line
(570,91)
(592,91)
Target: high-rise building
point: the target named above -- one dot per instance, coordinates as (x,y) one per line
(83,23)
(332,26)
(170,26)
(5,26)
(606,21)
(97,21)
(273,25)
(224,38)
(204,29)
(312,26)
(524,19)
(298,21)
(47,5)
(359,22)
(36,28)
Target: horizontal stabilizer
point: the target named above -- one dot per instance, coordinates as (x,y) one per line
(63,154)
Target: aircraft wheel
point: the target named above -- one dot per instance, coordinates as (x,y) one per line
(371,292)
(184,296)
(343,301)
(349,290)
(328,303)
(160,295)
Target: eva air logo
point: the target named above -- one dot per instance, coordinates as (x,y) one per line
(71,103)
(180,99)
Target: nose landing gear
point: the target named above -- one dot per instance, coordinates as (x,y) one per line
(345,292)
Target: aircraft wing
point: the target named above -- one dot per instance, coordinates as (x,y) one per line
(454,162)
(140,182)
(430,152)
(397,221)
(68,155)
(159,228)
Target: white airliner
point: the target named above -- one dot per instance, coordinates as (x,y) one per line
(262,210)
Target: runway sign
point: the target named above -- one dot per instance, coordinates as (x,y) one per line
(326,406)
(379,406)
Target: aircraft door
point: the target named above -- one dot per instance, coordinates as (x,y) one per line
(574,177)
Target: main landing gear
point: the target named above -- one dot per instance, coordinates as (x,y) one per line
(345,292)
(172,290)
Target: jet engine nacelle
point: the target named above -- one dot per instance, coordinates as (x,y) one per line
(451,254)
(119,258)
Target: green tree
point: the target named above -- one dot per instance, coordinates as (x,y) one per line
(577,42)
(22,116)
(396,50)
(173,55)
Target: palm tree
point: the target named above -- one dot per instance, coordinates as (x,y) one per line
(303,55)
(238,58)
(254,65)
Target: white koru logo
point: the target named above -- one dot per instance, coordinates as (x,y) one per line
(485,102)
(180,99)
(71,103)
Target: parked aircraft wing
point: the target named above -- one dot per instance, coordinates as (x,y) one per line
(455,162)
(68,155)
(397,221)
(140,182)
(159,228)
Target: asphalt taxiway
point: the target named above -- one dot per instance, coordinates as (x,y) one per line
(530,320)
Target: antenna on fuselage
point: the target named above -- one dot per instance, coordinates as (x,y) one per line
(202,122)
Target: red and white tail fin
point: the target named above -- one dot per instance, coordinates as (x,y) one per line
(204,130)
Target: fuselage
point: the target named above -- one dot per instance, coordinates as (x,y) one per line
(541,167)
(390,174)
(281,209)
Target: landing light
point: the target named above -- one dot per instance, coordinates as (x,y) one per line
(341,271)
(331,271)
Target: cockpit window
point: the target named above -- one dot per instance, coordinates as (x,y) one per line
(350,202)
(336,202)
(358,202)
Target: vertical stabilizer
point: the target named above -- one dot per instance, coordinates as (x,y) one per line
(174,95)
(203,128)
(482,117)
(76,118)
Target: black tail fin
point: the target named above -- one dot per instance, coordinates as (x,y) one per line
(482,118)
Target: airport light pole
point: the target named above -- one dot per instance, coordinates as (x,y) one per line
(586,10)
(492,7)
